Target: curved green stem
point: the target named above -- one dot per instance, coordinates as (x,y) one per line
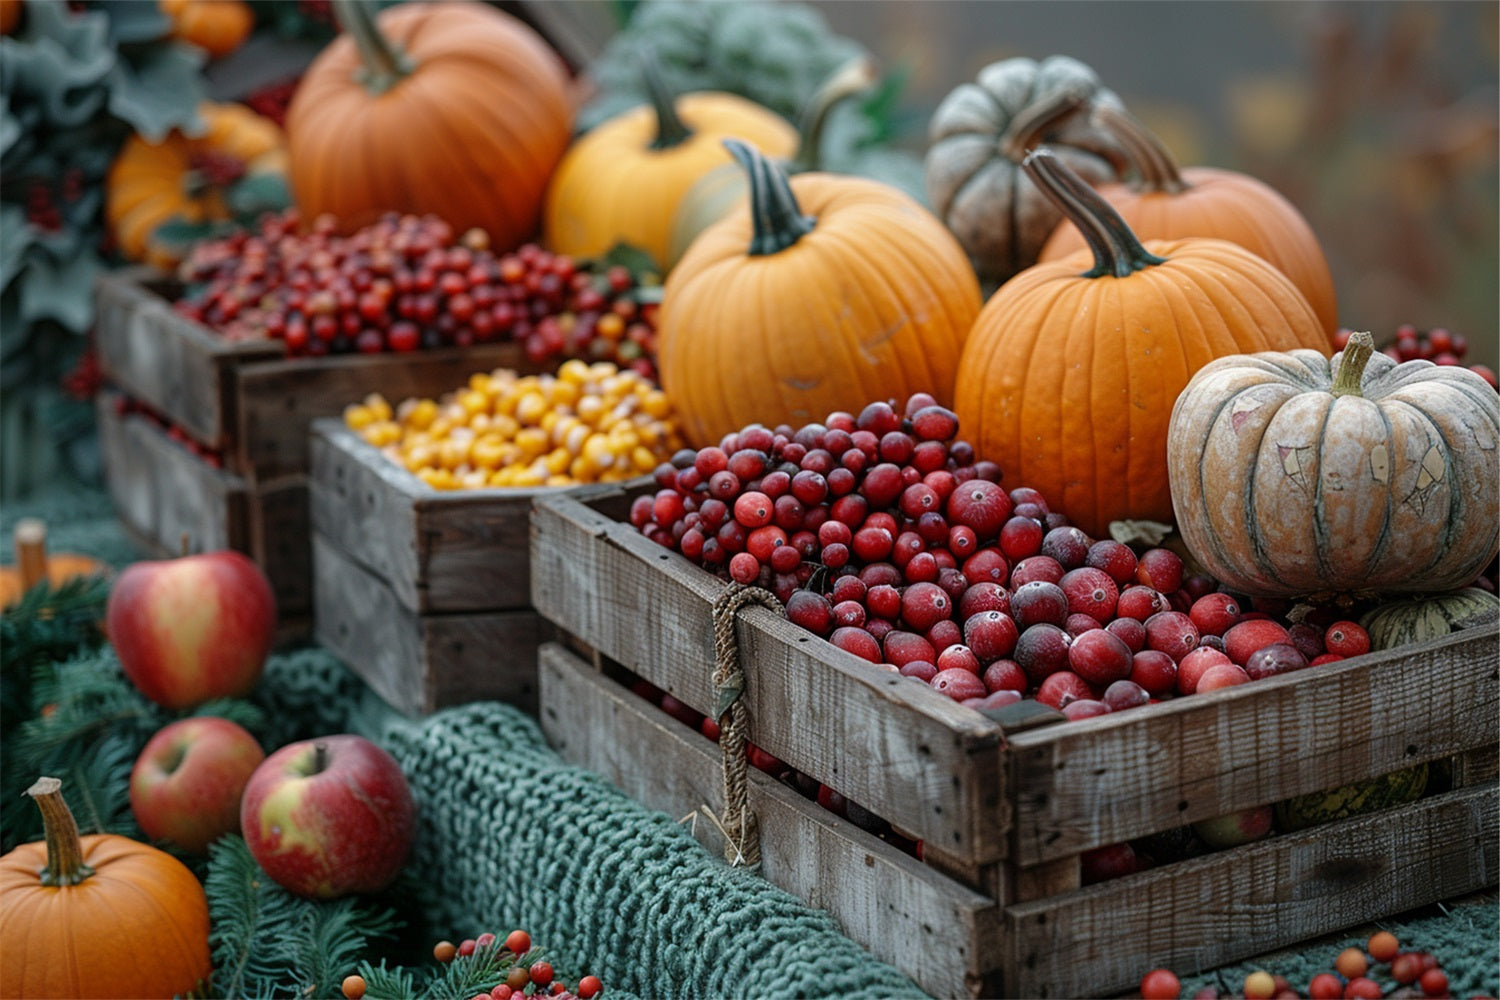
(1116,250)
(849,79)
(65,864)
(1157,169)
(670,128)
(1028,128)
(779,222)
(1357,354)
(385,65)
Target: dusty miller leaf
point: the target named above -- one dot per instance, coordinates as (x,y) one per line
(159,91)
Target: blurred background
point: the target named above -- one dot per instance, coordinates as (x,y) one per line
(1379,120)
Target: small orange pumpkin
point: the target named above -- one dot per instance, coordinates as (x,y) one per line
(1168,203)
(823,293)
(454,109)
(1069,375)
(1293,475)
(624,180)
(218,27)
(98,916)
(186,179)
(33,564)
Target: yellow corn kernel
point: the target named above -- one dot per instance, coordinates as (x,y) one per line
(573,370)
(601,370)
(474,479)
(532,441)
(454,452)
(529,477)
(530,407)
(500,477)
(643,459)
(596,452)
(558,460)
(565,394)
(556,480)
(419,414)
(590,409)
(657,404)
(581,470)
(438,479)
(473,401)
(421,456)
(378,405)
(549,422)
(488,451)
(357,417)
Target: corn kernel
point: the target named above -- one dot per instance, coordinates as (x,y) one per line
(376,403)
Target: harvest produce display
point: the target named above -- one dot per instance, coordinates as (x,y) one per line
(554,439)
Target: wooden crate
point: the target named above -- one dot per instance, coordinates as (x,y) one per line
(251,404)
(425,593)
(1008,813)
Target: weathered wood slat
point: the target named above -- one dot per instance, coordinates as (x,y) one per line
(1100,781)
(945,936)
(420,663)
(164,492)
(278,400)
(1201,913)
(281,541)
(900,749)
(176,366)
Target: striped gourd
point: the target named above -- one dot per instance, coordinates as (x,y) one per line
(1397,623)
(1406,785)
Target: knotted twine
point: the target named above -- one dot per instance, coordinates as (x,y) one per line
(741,829)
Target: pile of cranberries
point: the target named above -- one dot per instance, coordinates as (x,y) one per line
(508,964)
(407,282)
(883,533)
(1438,345)
(125,406)
(1355,975)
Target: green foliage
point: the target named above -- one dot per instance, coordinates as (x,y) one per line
(73,85)
(267,942)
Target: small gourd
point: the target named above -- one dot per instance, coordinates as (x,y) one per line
(97,916)
(34,565)
(1417,619)
(1293,475)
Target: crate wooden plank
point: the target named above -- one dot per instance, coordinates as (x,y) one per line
(1201,913)
(420,663)
(177,366)
(278,400)
(901,749)
(163,492)
(946,937)
(280,540)
(1100,781)
(440,550)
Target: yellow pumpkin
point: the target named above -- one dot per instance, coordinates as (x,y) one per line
(185,178)
(624,180)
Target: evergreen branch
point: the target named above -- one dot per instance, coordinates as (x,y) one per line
(382,983)
(333,938)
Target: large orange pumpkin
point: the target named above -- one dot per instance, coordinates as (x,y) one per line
(97,916)
(186,179)
(822,293)
(452,108)
(624,180)
(1168,203)
(1293,475)
(1069,375)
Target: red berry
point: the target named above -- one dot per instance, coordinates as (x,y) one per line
(1249,635)
(922,670)
(1154,670)
(744,568)
(1215,613)
(1160,984)
(958,684)
(1194,665)
(981,505)
(1099,657)
(1130,630)
(924,604)
(1090,591)
(1068,545)
(1346,639)
(1434,983)
(1140,602)
(1173,633)
(957,656)
(1160,569)
(1061,687)
(857,641)
(987,565)
(810,611)
(1406,968)
(1325,986)
(1021,537)
(1038,567)
(589,987)
(1351,963)
(1038,601)
(902,647)
(1005,675)
(1125,694)
(484,940)
(540,973)
(1383,946)
(1042,650)
(991,635)
(1362,988)
(753,509)
(1115,558)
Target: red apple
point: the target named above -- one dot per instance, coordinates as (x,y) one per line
(186,785)
(192,629)
(328,817)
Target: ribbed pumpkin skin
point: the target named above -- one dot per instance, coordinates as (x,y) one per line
(612,187)
(137,927)
(472,135)
(1417,619)
(145,184)
(1068,381)
(872,304)
(1283,489)
(1229,206)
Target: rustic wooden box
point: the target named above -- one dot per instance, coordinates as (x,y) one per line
(425,593)
(255,406)
(1006,814)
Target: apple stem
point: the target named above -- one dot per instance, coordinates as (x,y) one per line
(65,864)
(320,757)
(185,545)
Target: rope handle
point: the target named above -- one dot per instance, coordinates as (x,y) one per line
(739,825)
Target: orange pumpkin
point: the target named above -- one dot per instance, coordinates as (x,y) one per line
(1293,475)
(1069,375)
(456,109)
(10,16)
(823,293)
(218,27)
(1168,203)
(186,179)
(624,180)
(97,916)
(33,564)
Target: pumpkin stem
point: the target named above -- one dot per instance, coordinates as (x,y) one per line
(30,542)
(65,865)
(1357,354)
(1117,252)
(849,79)
(1028,128)
(779,221)
(385,65)
(670,128)
(1153,162)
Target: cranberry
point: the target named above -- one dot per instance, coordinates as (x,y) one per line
(810,611)
(1090,591)
(1041,650)
(923,604)
(1193,667)
(1084,708)
(1277,658)
(983,596)
(1132,631)
(1160,569)
(1021,537)
(1124,694)
(1214,613)
(1247,636)
(1059,688)
(958,657)
(922,670)
(945,633)
(857,641)
(1347,639)
(884,600)
(1040,567)
(1115,558)
(1155,671)
(1140,602)
(902,647)
(1100,657)
(1068,545)
(991,635)
(980,505)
